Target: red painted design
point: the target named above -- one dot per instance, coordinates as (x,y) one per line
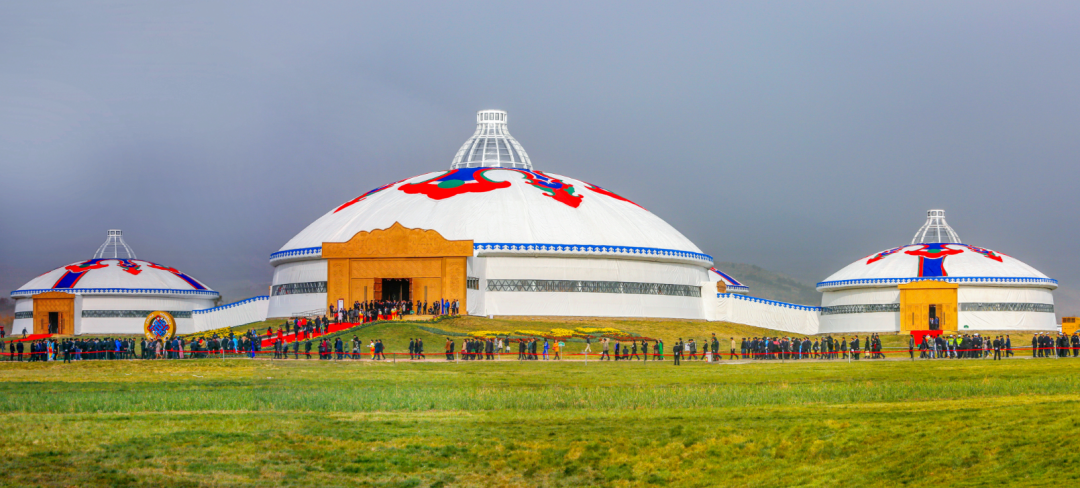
(933,251)
(602,191)
(455,182)
(985,252)
(881,255)
(552,187)
(362,197)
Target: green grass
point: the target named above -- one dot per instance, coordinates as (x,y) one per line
(505,423)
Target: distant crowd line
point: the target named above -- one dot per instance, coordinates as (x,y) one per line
(305,336)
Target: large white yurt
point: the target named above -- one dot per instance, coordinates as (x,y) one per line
(112,293)
(501,237)
(936,282)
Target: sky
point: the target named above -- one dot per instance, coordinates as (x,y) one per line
(796,136)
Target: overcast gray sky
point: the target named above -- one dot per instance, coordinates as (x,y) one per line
(796,136)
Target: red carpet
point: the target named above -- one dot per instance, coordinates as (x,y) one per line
(291,337)
(33,337)
(918,335)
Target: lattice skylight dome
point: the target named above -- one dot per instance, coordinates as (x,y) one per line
(935,230)
(491,146)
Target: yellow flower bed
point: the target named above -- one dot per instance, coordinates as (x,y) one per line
(530,332)
(600,331)
(485,333)
(562,333)
(222,332)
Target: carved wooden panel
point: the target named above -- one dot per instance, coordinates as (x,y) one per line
(916,299)
(397,241)
(62,303)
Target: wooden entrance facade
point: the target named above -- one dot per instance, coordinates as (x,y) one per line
(54,313)
(414,262)
(921,300)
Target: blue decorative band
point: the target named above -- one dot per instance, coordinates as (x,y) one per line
(526,248)
(230,305)
(726,277)
(590,249)
(769,302)
(297,253)
(119,291)
(967,280)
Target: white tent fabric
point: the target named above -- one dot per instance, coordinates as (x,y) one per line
(769,314)
(860,322)
(283,306)
(978,321)
(1002,294)
(591,305)
(231,315)
(544,268)
(860,296)
(496,205)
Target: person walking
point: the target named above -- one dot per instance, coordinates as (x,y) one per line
(676,351)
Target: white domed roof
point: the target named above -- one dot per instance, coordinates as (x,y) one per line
(492,196)
(116,277)
(115,271)
(503,210)
(951,262)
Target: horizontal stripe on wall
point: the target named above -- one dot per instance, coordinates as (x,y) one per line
(298,288)
(130,314)
(867,308)
(964,307)
(1007,307)
(577,286)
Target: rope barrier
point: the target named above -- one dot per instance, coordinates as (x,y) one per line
(1046,352)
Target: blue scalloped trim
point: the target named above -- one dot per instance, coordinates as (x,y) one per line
(230,305)
(113,291)
(591,249)
(769,302)
(304,251)
(947,279)
(573,248)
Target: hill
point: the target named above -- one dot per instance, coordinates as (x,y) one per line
(772,285)
(7,312)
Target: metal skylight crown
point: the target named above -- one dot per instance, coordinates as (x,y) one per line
(114,247)
(935,230)
(491,145)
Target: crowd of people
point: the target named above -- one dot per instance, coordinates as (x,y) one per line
(372,310)
(302,336)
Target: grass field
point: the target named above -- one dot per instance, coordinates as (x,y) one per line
(505,423)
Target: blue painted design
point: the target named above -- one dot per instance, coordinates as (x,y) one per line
(230,305)
(159,326)
(726,277)
(289,253)
(990,280)
(591,249)
(119,291)
(932,267)
(501,246)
